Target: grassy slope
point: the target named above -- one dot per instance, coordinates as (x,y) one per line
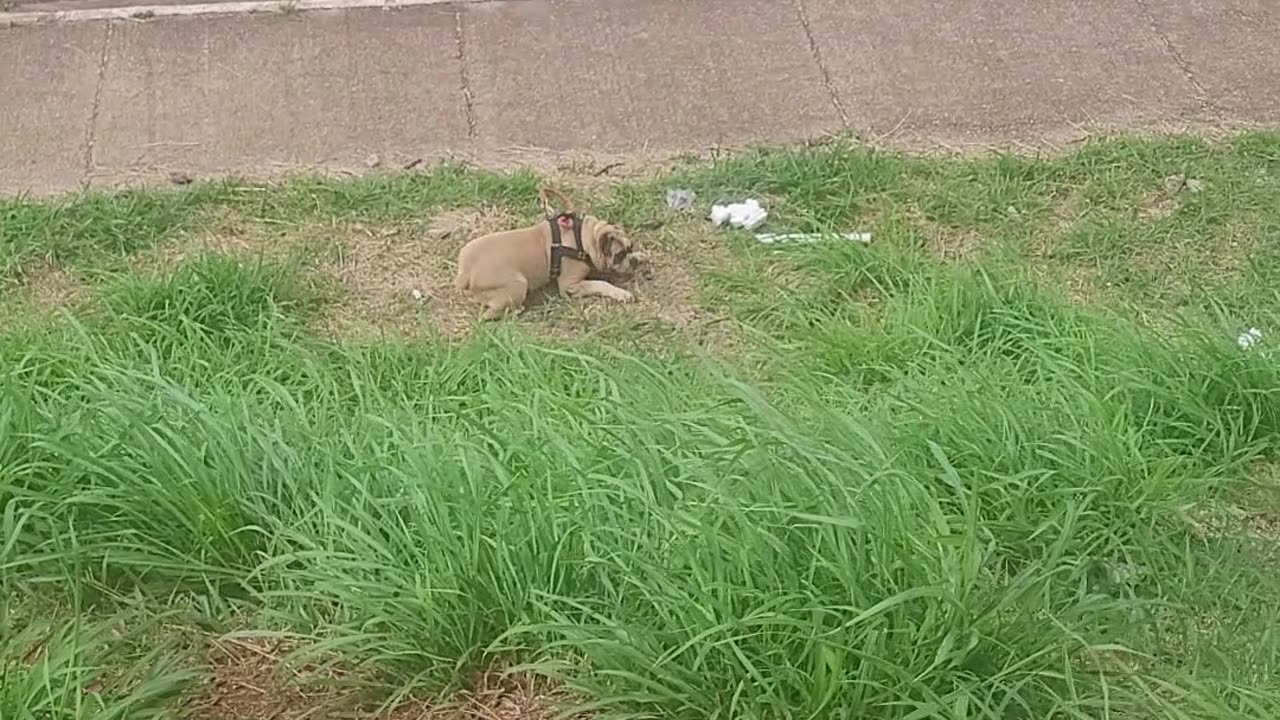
(922,488)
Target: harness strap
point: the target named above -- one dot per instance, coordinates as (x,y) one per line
(559,250)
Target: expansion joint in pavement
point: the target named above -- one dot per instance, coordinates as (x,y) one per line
(91,127)
(1171,49)
(464,74)
(822,68)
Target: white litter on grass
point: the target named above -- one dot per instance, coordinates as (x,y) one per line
(784,238)
(747,215)
(680,199)
(1249,338)
(416,294)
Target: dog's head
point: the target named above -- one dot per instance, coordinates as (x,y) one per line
(611,250)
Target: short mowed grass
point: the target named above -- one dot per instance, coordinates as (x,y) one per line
(1005,462)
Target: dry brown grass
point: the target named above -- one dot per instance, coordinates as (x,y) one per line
(252,678)
(945,243)
(51,287)
(378,270)
(1230,519)
(396,279)
(223,233)
(1226,255)
(1253,513)
(1157,206)
(494,695)
(247,680)
(1078,282)
(951,244)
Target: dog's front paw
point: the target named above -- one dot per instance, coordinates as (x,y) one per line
(625,296)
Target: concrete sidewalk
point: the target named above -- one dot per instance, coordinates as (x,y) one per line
(126,101)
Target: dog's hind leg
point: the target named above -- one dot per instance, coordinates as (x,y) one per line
(509,298)
(497,311)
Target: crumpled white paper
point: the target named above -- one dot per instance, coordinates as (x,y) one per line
(1249,338)
(747,214)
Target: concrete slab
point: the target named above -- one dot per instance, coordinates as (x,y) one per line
(259,94)
(48,77)
(40,12)
(993,68)
(619,75)
(229,95)
(1231,48)
(22,6)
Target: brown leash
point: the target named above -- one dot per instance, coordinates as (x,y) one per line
(547,193)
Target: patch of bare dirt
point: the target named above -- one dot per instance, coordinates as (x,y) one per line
(1080,284)
(251,679)
(1262,517)
(224,233)
(1157,206)
(1263,524)
(1229,520)
(676,254)
(495,696)
(53,287)
(398,281)
(248,679)
(1225,255)
(950,244)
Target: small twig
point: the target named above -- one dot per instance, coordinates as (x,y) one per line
(605,170)
(896,128)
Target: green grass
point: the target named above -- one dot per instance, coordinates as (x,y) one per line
(920,489)
(57,666)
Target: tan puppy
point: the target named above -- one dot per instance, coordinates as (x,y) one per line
(501,269)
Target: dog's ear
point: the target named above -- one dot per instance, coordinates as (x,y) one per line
(609,242)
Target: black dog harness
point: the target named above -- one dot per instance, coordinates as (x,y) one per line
(560,251)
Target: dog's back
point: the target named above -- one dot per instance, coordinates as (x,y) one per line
(492,260)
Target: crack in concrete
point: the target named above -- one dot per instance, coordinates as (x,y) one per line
(822,67)
(464,75)
(1202,94)
(91,128)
